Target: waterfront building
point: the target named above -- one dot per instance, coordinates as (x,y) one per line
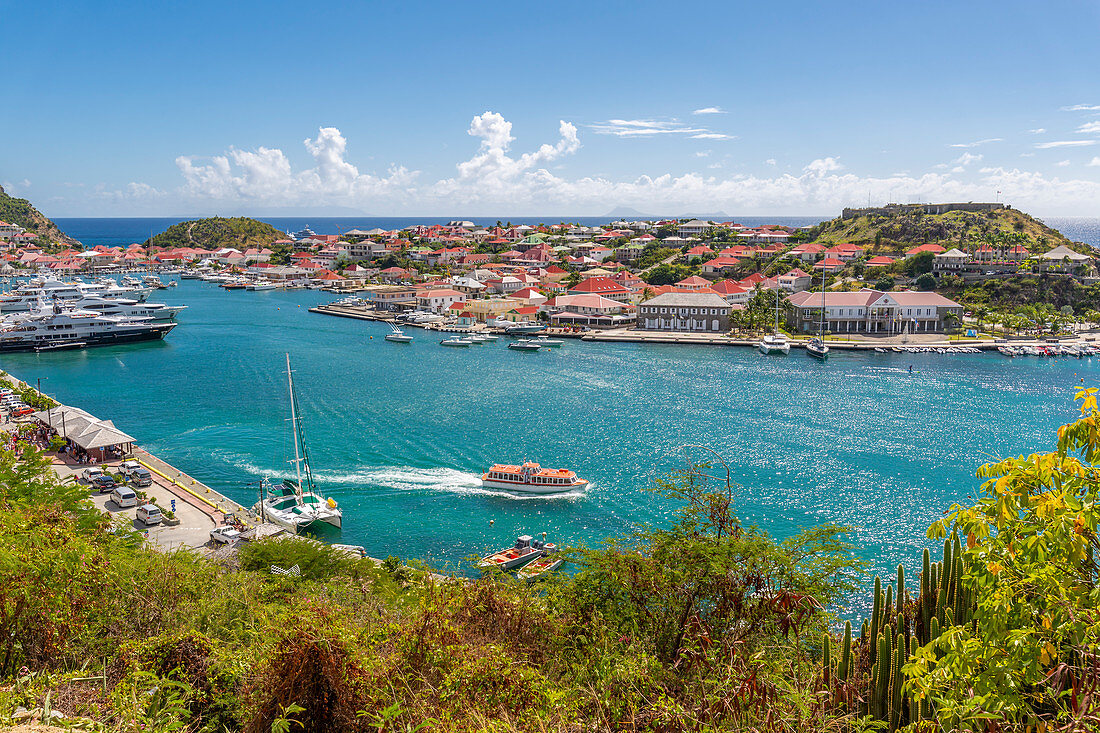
(486,309)
(603,286)
(438,300)
(588,309)
(695,312)
(389,297)
(872,311)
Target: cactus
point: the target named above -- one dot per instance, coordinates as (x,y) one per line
(845,665)
(901,587)
(889,605)
(826,659)
(876,611)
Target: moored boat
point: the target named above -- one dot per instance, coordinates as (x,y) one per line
(455,341)
(816,348)
(541,567)
(532,478)
(398,336)
(524,345)
(524,551)
(548,343)
(774,343)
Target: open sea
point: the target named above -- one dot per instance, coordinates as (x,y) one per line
(399,434)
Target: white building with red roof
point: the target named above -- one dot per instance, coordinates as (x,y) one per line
(603,286)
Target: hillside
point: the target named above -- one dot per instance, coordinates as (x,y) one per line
(23,213)
(963,229)
(217,232)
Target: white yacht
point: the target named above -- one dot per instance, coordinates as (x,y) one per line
(774,343)
(56,326)
(125,307)
(297,505)
(27,297)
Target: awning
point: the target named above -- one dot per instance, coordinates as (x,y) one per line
(83,428)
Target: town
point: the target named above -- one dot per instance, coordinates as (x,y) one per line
(673,276)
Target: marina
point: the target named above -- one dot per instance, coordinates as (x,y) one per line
(399,431)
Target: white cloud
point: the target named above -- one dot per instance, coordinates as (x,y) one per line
(1082,108)
(709,111)
(1095,162)
(702,154)
(1038,131)
(821,166)
(494,180)
(976,143)
(16,188)
(770,161)
(714,165)
(1062,163)
(1090,127)
(653,127)
(1064,144)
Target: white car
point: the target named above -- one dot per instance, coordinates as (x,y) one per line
(149,514)
(128,467)
(224,535)
(124,497)
(91,473)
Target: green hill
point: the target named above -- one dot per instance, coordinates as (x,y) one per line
(217,232)
(23,213)
(963,229)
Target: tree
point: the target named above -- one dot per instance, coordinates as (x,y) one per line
(918,264)
(1026,649)
(885,284)
(927,281)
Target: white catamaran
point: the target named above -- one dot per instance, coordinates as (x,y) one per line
(295,505)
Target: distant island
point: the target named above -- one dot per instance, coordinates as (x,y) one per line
(217,233)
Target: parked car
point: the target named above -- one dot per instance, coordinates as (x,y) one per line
(140,476)
(90,473)
(103,483)
(149,514)
(22,410)
(124,497)
(127,466)
(224,535)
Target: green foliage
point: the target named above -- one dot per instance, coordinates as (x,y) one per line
(654,253)
(315,560)
(918,264)
(668,274)
(217,232)
(927,281)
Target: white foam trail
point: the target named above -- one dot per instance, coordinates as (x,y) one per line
(408,478)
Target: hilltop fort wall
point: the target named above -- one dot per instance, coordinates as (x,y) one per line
(897,209)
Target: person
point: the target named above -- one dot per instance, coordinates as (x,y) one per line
(910,368)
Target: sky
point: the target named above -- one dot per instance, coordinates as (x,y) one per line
(510,109)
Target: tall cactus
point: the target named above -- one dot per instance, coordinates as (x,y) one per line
(901,587)
(845,665)
(876,612)
(826,659)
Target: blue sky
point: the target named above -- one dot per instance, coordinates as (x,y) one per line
(565,108)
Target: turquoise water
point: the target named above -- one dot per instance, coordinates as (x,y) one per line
(399,433)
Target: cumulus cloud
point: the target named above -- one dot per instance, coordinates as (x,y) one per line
(495,179)
(1090,127)
(709,111)
(821,166)
(769,161)
(1064,144)
(1038,131)
(1062,163)
(976,143)
(1095,162)
(265,174)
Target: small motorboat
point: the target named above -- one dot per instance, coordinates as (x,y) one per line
(489,336)
(398,336)
(476,339)
(524,551)
(455,341)
(548,343)
(524,345)
(540,568)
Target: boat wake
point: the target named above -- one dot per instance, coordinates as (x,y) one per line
(406,478)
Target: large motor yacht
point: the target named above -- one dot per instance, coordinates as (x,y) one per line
(56,326)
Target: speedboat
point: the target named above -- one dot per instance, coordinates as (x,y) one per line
(260,285)
(524,345)
(817,349)
(523,327)
(455,341)
(524,551)
(774,343)
(489,337)
(531,478)
(547,342)
(398,336)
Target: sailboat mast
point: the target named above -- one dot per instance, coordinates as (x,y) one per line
(294,425)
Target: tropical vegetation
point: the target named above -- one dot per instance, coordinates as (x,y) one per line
(216,233)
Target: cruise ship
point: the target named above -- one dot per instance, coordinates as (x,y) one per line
(532,478)
(58,327)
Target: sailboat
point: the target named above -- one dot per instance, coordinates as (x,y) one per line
(775,342)
(816,346)
(295,504)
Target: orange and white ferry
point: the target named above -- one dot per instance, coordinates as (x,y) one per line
(532,478)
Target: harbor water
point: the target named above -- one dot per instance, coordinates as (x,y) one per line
(399,433)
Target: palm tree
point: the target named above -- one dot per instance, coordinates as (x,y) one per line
(980,314)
